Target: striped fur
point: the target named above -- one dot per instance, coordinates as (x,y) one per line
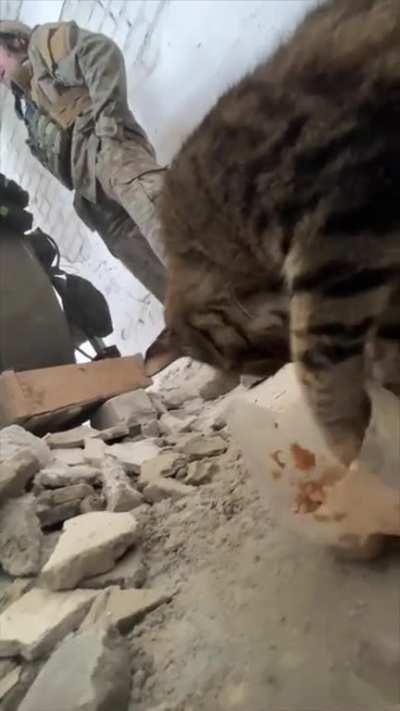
(281,217)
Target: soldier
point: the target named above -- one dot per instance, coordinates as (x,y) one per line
(70,89)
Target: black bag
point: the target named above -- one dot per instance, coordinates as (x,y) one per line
(84,305)
(45,248)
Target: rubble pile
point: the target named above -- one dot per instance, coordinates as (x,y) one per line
(71,545)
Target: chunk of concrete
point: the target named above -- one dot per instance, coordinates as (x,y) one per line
(14,439)
(150,429)
(9,681)
(14,591)
(161,488)
(117,488)
(164,464)
(201,472)
(90,544)
(94,502)
(129,572)
(123,608)
(20,537)
(74,437)
(6,666)
(51,515)
(204,446)
(34,624)
(132,454)
(170,424)
(71,457)
(16,473)
(130,409)
(59,475)
(113,433)
(157,402)
(95,451)
(90,671)
(74,492)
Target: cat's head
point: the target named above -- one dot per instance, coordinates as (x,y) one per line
(237,333)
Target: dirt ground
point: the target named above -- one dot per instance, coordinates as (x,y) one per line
(260,620)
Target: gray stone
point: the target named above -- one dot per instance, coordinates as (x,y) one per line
(16,473)
(34,624)
(9,681)
(74,437)
(157,402)
(193,407)
(6,666)
(123,608)
(170,424)
(90,544)
(201,472)
(50,541)
(204,446)
(89,671)
(164,464)
(174,398)
(113,433)
(74,492)
(20,537)
(28,673)
(14,591)
(94,502)
(70,457)
(130,409)
(129,572)
(132,454)
(95,451)
(162,488)
(14,439)
(150,429)
(117,488)
(50,515)
(62,475)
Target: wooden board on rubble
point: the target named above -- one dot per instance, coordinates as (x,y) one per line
(45,400)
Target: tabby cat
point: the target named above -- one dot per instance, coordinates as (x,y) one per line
(281,217)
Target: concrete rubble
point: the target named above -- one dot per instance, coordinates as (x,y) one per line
(89,544)
(14,439)
(136,549)
(89,670)
(122,608)
(34,624)
(131,409)
(16,473)
(118,490)
(20,537)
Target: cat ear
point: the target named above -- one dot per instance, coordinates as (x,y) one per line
(161,353)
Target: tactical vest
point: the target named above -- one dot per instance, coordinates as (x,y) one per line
(51,109)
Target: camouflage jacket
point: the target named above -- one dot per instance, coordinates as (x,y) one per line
(70,67)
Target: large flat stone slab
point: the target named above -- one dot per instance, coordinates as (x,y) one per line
(35,623)
(90,544)
(89,671)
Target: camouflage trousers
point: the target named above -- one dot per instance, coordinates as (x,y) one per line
(125,215)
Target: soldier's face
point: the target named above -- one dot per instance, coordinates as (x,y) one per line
(9,63)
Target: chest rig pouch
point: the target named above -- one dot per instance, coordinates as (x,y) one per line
(50,109)
(50,144)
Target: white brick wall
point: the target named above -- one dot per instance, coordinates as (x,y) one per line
(180,55)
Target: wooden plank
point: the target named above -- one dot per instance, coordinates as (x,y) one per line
(29,395)
(13,406)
